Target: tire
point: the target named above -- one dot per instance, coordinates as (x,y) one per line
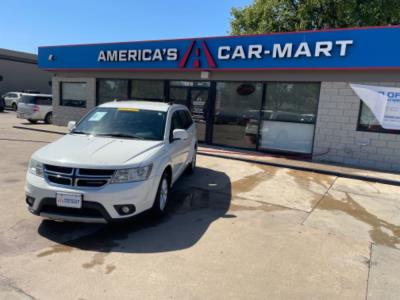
(162,196)
(49,118)
(14,107)
(190,168)
(32,121)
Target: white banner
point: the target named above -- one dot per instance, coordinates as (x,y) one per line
(384,103)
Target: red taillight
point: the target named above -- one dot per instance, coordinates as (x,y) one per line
(36,108)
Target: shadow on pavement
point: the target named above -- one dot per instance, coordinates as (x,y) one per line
(196,201)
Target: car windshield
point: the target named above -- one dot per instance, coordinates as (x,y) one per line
(123,123)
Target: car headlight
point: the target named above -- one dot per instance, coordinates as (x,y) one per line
(131,175)
(35,168)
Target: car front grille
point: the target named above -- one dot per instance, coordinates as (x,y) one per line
(66,176)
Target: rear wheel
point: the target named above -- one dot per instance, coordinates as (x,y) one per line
(49,118)
(32,121)
(161,201)
(14,107)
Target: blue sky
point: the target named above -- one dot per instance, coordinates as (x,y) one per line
(27,24)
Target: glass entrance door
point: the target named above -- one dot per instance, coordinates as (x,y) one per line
(198,105)
(196,96)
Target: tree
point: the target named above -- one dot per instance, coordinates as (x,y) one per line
(293,15)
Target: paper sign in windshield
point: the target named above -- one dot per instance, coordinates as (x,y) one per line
(97,116)
(128,109)
(384,103)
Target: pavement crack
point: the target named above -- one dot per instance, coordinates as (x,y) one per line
(369,270)
(19,140)
(9,284)
(319,201)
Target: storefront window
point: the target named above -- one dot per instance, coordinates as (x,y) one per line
(288,117)
(147,89)
(73,94)
(237,110)
(178,95)
(368,122)
(111,89)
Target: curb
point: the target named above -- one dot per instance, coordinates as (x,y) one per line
(40,130)
(308,169)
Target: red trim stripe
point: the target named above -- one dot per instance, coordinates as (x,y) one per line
(210,60)
(183,62)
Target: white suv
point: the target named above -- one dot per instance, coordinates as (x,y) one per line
(121,159)
(36,107)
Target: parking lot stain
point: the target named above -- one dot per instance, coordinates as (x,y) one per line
(97,260)
(110,269)
(382,232)
(248,183)
(309,178)
(55,249)
(190,199)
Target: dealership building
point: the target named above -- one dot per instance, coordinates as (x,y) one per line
(19,71)
(287,93)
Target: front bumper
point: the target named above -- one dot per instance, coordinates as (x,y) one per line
(98,204)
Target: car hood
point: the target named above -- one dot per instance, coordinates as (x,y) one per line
(91,151)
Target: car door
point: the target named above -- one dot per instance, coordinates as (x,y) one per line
(189,126)
(178,148)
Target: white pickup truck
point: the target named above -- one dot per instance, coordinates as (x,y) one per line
(121,159)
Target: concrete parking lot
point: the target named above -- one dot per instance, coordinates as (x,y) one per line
(234,230)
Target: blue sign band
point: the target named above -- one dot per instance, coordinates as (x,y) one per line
(361,48)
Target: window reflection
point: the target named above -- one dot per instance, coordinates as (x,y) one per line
(147,89)
(288,117)
(237,114)
(112,89)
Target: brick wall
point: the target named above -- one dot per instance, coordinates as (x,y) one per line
(336,131)
(63,114)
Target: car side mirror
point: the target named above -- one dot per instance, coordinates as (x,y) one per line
(71,125)
(180,134)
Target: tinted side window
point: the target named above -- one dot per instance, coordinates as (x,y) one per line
(186,119)
(189,118)
(43,100)
(28,99)
(176,121)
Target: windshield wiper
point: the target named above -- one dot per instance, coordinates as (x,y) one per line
(121,135)
(79,132)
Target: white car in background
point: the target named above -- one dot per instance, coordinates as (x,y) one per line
(36,107)
(121,159)
(11,99)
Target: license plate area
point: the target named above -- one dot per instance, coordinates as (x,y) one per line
(69,200)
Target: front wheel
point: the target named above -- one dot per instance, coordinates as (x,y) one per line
(14,107)
(161,201)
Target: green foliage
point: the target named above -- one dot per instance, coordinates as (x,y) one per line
(292,15)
